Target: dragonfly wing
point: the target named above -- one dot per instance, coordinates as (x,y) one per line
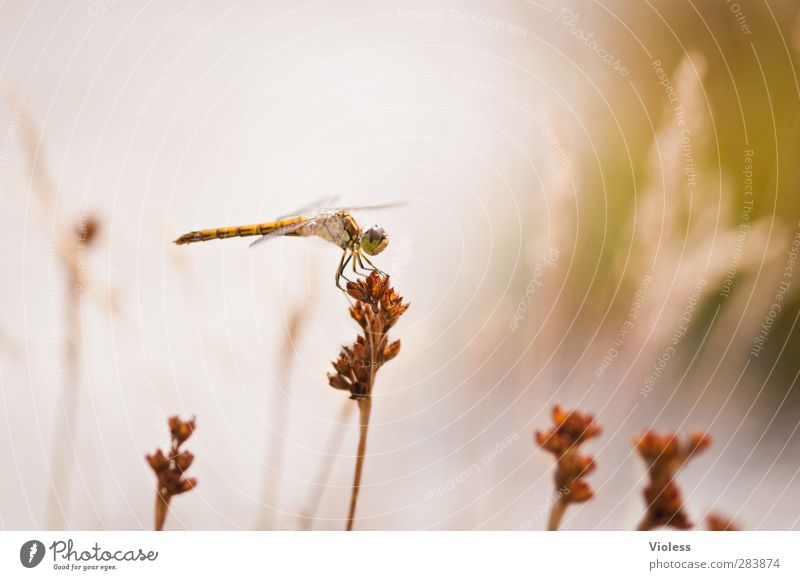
(321,204)
(284,231)
(386,205)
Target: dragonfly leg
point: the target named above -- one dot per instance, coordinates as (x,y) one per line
(356,261)
(361,263)
(340,269)
(372,266)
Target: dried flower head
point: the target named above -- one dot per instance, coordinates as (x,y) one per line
(665,455)
(170,468)
(572,429)
(376,310)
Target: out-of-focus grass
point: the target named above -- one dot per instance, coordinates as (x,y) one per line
(747,98)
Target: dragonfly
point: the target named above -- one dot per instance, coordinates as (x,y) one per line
(337,226)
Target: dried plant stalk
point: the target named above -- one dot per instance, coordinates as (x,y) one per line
(364,410)
(326,466)
(274,457)
(169,468)
(572,429)
(376,310)
(70,244)
(665,456)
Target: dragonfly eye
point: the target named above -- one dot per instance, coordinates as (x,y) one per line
(374,240)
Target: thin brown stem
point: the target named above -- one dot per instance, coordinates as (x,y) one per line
(556,514)
(162,509)
(364,408)
(645,525)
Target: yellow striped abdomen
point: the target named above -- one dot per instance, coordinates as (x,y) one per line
(235,231)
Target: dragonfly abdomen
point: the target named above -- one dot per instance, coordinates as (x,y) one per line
(233,232)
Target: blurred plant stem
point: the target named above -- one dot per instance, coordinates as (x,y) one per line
(276,436)
(556,514)
(70,245)
(335,440)
(162,509)
(62,445)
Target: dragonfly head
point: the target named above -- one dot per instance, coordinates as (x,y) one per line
(374,240)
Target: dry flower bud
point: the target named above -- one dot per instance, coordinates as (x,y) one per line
(377,308)
(181,430)
(391,350)
(665,455)
(571,430)
(719,523)
(169,469)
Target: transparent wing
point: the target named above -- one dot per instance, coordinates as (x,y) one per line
(325,214)
(385,205)
(318,205)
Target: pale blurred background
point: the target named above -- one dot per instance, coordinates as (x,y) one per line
(571,237)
